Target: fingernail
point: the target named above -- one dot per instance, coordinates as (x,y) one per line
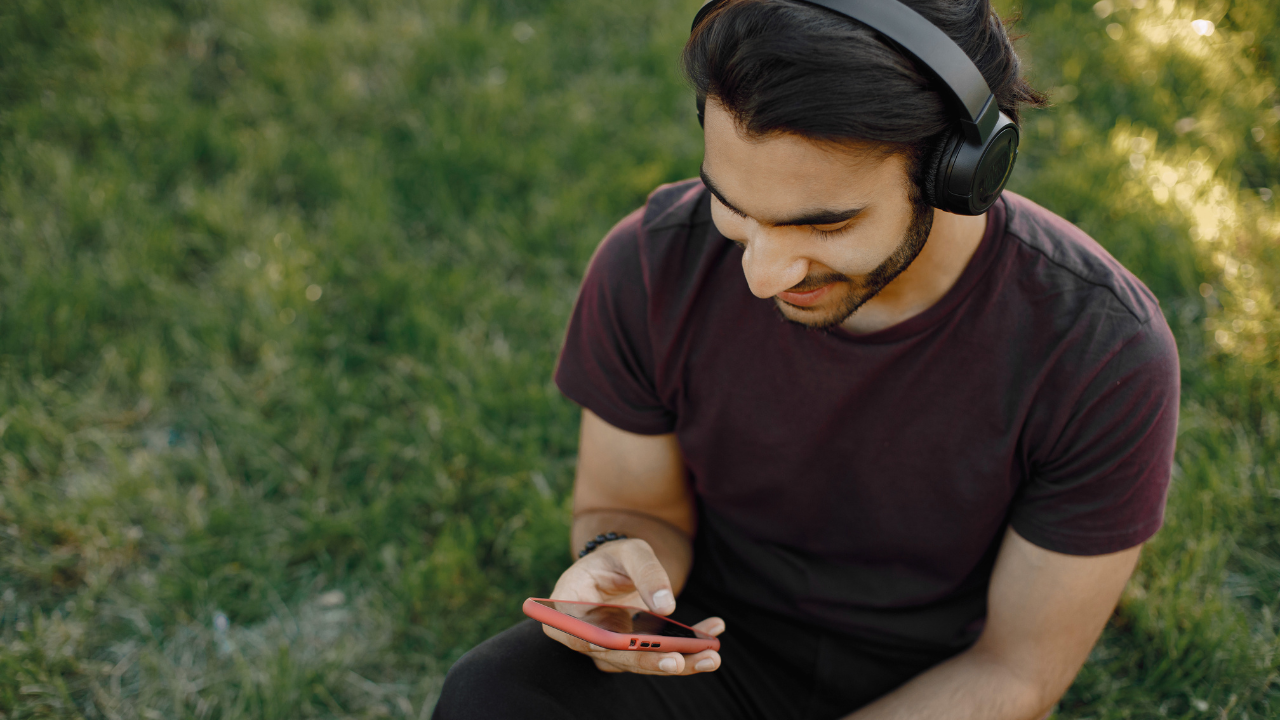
(663,599)
(668,665)
(705,664)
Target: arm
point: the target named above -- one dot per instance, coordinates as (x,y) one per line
(634,485)
(1045,612)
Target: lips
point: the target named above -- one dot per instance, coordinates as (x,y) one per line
(804,299)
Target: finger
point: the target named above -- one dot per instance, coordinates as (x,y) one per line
(603,666)
(705,661)
(569,641)
(712,626)
(648,575)
(647,663)
(702,662)
(643,663)
(577,584)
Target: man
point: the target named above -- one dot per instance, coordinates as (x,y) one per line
(900,460)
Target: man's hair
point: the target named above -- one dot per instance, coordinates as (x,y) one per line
(781,66)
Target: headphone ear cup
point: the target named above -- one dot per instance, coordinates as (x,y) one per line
(933,166)
(966,178)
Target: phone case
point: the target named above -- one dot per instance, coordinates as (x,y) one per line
(616,641)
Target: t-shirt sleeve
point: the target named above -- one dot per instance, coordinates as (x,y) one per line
(606,364)
(1100,485)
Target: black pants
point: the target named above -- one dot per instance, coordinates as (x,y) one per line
(771,668)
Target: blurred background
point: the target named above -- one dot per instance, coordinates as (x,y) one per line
(282,283)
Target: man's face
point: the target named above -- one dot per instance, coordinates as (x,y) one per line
(823,228)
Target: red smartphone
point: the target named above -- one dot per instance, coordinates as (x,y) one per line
(619,627)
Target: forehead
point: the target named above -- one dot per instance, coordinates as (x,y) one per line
(773,176)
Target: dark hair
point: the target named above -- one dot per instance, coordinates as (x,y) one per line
(786,66)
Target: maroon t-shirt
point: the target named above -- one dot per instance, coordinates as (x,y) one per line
(863,482)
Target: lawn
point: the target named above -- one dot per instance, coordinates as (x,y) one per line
(282,285)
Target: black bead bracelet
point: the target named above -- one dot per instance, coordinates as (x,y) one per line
(600,540)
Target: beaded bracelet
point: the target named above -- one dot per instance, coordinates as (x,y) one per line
(600,540)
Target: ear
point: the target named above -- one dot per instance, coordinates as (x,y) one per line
(930,166)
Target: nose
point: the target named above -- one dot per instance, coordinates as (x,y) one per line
(771,264)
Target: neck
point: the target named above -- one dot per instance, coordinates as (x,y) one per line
(952,242)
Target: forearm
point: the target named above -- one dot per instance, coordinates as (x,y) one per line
(971,685)
(672,545)
(1045,611)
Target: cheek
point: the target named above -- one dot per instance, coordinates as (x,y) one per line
(867,246)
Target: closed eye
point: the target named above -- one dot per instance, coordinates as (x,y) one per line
(733,210)
(820,232)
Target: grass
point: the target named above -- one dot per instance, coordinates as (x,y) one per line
(282,284)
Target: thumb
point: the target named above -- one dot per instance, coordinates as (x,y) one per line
(647,574)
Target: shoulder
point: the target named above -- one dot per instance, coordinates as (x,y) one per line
(1067,261)
(676,205)
(621,326)
(654,240)
(1097,326)
(1102,412)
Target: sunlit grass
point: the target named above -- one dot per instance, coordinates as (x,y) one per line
(1163,146)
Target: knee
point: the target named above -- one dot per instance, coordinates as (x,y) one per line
(506,676)
(463,691)
(472,685)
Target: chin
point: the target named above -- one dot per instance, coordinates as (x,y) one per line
(821,317)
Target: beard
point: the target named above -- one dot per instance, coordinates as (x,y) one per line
(863,288)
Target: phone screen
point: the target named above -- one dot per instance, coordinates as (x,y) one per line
(622,620)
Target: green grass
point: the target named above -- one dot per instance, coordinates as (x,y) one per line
(223,496)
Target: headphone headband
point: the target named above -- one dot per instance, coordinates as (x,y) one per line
(968,167)
(913,33)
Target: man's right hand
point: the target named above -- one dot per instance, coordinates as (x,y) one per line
(626,572)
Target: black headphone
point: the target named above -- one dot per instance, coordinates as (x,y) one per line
(969,165)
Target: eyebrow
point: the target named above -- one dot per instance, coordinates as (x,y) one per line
(806,217)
